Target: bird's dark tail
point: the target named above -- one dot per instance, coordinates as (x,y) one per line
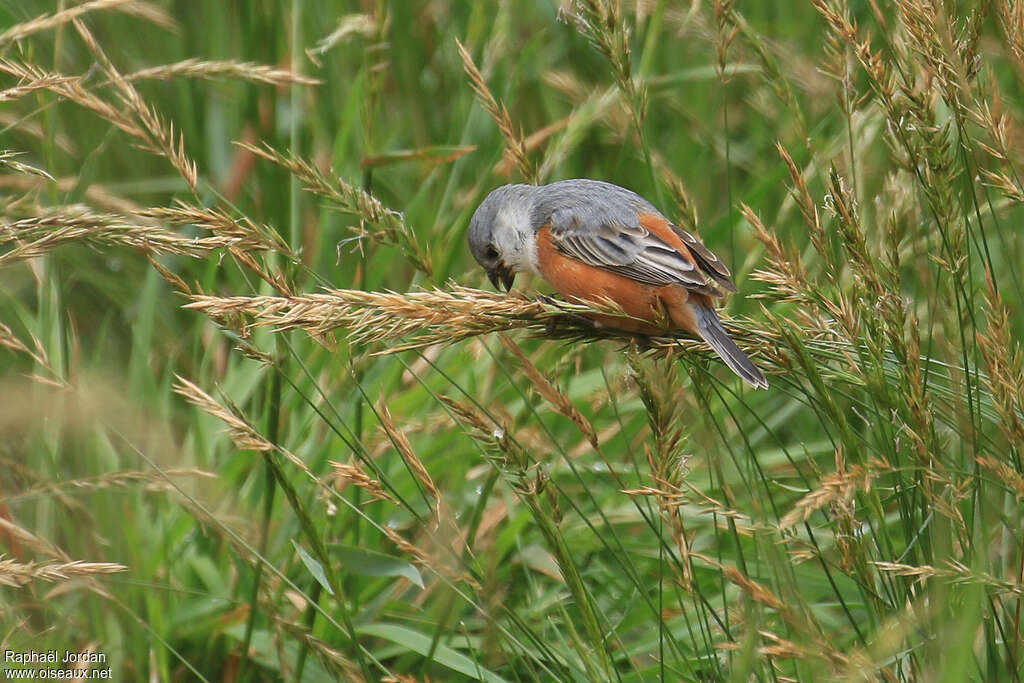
(711,330)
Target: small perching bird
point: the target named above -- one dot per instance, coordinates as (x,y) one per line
(593,240)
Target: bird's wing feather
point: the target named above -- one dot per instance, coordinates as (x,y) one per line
(630,248)
(710,263)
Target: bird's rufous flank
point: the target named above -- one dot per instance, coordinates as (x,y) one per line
(594,241)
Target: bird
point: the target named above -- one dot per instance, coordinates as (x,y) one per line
(593,241)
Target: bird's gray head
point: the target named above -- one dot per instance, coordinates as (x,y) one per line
(501,234)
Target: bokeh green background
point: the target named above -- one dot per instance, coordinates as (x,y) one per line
(540,557)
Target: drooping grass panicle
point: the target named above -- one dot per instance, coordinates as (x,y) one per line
(431,316)
(601,22)
(809,209)
(245,436)
(837,487)
(402,444)
(11,342)
(353,473)
(786,273)
(37,352)
(687,208)
(159,136)
(364,25)
(223,68)
(420,319)
(60,225)
(72,89)
(245,234)
(8,159)
(46,22)
(954,573)
(800,621)
(18,534)
(547,389)
(385,226)
(146,480)
(1001,352)
(515,145)
(16,574)
(37,235)
(242,433)
(139,121)
(498,443)
(661,394)
(36,80)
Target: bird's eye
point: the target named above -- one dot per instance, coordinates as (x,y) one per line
(491,253)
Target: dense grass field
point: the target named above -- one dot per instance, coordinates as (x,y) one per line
(263,418)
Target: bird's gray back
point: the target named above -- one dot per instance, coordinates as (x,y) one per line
(586,205)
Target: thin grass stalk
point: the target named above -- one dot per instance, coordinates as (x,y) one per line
(432,317)
(551,393)
(158,139)
(222,68)
(627,567)
(726,14)
(44,22)
(515,468)
(17,574)
(273,423)
(274,390)
(502,436)
(203,515)
(935,162)
(390,228)
(602,23)
(246,437)
(513,136)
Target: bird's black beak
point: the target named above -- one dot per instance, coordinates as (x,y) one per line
(501,273)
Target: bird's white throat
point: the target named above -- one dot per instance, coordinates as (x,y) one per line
(514,237)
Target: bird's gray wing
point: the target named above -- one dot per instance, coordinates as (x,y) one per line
(626,247)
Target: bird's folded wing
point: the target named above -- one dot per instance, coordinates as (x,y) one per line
(635,251)
(707,260)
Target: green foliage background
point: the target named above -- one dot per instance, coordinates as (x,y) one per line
(860,519)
